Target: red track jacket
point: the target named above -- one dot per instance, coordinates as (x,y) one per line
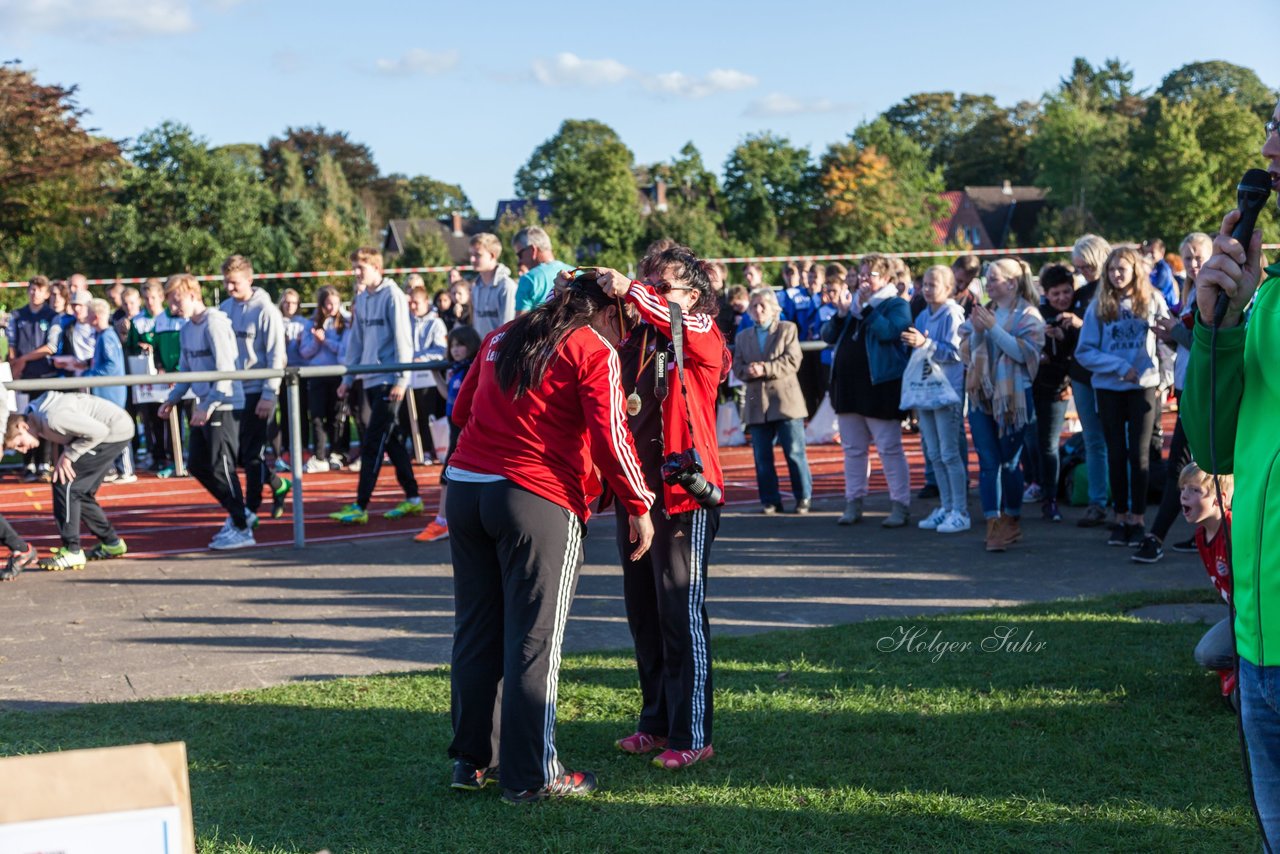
(548,441)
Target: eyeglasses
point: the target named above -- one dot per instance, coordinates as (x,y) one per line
(665,288)
(1271,127)
(872,275)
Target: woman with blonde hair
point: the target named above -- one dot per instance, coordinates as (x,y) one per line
(1089,256)
(1001,344)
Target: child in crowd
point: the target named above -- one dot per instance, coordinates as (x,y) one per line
(1118,344)
(92,432)
(1195,250)
(939,324)
(464,343)
(739,300)
(1200,507)
(380,335)
(260,343)
(1051,391)
(324,344)
(30,328)
(1001,345)
(209,344)
(429,345)
(295,327)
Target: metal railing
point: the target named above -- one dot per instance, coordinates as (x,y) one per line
(291,377)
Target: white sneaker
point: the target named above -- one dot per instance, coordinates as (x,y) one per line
(1032,493)
(933,520)
(955,522)
(233,539)
(127,478)
(315,465)
(354,465)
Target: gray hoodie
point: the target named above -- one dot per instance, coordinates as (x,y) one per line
(260,339)
(380,334)
(493,305)
(1111,348)
(209,344)
(79,421)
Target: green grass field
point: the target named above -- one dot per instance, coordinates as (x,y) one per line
(1106,738)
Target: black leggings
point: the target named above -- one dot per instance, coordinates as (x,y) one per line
(328,424)
(1171,499)
(1126,418)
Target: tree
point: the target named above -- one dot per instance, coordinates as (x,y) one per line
(54,173)
(1107,87)
(1198,80)
(692,215)
(311,144)
(182,206)
(585,170)
(422,197)
(769,188)
(1173,185)
(878,192)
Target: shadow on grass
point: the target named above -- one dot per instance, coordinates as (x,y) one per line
(1108,737)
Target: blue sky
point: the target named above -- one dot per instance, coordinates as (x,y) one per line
(464,92)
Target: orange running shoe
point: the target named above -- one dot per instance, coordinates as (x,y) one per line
(433,533)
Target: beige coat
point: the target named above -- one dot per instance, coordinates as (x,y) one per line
(776,396)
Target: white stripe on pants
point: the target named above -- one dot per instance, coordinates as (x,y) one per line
(857,432)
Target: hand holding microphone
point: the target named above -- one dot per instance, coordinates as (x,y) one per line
(1228,279)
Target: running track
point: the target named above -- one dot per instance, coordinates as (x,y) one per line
(176,516)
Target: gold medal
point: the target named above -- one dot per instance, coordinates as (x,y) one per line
(633,404)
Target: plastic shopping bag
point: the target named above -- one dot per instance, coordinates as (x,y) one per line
(823,428)
(924,385)
(729,425)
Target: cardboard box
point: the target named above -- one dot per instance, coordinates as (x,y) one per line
(114,800)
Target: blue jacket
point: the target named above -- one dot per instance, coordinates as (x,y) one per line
(108,361)
(886,354)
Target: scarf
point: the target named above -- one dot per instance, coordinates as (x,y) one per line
(993,386)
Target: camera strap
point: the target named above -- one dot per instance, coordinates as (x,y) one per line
(677,343)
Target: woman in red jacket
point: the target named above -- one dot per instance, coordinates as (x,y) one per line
(542,419)
(674,421)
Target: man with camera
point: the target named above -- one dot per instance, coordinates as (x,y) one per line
(673,418)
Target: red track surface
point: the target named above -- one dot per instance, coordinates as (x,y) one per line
(175,516)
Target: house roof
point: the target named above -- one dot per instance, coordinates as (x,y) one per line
(1008,211)
(516,208)
(402,231)
(942,225)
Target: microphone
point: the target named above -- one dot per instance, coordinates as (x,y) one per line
(1251,196)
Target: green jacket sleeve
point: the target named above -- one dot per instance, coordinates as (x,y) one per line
(1194,407)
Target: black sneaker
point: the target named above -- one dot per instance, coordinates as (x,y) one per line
(1119,535)
(1149,551)
(468,777)
(1094,517)
(929,490)
(19,561)
(572,784)
(1049,509)
(1134,535)
(1186,546)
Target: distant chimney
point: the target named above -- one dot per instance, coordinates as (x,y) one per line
(660,194)
(457,220)
(1007,189)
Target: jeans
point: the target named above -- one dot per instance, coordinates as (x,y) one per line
(941,431)
(1050,415)
(789,434)
(1260,718)
(999,476)
(1216,650)
(1095,442)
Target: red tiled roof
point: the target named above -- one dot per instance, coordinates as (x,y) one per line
(942,226)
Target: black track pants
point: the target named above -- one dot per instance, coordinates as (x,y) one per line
(212,448)
(78,501)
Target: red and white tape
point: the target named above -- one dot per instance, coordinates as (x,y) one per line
(746,259)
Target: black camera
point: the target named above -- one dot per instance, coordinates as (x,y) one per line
(685,470)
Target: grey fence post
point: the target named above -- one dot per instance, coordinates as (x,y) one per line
(296,453)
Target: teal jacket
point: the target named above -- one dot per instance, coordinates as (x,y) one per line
(1248,446)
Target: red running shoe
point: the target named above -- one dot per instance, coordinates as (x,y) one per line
(641,742)
(674,760)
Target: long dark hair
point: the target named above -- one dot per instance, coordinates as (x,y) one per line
(692,269)
(318,319)
(529,344)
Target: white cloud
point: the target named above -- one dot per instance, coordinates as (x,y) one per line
(774,105)
(683,85)
(419,61)
(568,69)
(110,17)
